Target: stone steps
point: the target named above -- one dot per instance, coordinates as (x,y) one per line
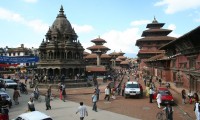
(68,85)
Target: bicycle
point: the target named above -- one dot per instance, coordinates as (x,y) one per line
(161,115)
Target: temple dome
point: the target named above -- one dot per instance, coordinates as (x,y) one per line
(61,23)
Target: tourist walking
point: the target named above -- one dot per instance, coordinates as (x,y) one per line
(196,97)
(31,106)
(26,79)
(145,81)
(107,93)
(45,79)
(168,112)
(94,100)
(158,99)
(82,110)
(63,95)
(113,91)
(97,90)
(160,82)
(15,96)
(123,88)
(151,95)
(60,91)
(128,78)
(47,101)
(197,110)
(183,93)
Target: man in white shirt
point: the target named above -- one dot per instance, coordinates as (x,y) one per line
(158,97)
(151,95)
(82,110)
(107,93)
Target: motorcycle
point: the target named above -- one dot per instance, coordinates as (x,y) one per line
(23,90)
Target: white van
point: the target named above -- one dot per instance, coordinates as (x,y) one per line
(35,115)
(132,88)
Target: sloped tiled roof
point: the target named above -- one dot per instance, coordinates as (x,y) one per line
(95,47)
(150,51)
(89,56)
(98,40)
(157,38)
(122,57)
(158,57)
(95,69)
(124,63)
(85,53)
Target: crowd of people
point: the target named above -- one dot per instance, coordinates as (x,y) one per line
(110,93)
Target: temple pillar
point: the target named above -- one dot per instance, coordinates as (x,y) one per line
(98,60)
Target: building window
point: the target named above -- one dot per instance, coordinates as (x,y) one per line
(192,64)
(174,63)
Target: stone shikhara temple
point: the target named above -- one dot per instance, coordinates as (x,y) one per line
(61,53)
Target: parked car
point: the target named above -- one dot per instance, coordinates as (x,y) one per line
(9,83)
(2,84)
(8,98)
(35,115)
(133,88)
(166,98)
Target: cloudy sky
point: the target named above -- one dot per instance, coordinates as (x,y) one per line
(119,22)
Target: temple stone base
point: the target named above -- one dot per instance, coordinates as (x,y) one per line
(69,83)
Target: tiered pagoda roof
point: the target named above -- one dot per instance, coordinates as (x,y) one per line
(153,38)
(122,57)
(116,54)
(99,41)
(98,45)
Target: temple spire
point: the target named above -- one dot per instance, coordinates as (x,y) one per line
(61,10)
(154,20)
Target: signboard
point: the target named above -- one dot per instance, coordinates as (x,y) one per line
(18,59)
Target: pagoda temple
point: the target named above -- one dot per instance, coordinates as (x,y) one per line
(61,53)
(98,60)
(153,38)
(119,60)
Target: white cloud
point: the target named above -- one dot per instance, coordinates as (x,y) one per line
(197,20)
(36,25)
(122,40)
(173,28)
(30,1)
(173,6)
(140,22)
(83,28)
(10,16)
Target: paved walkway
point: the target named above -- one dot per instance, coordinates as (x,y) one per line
(185,108)
(65,111)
